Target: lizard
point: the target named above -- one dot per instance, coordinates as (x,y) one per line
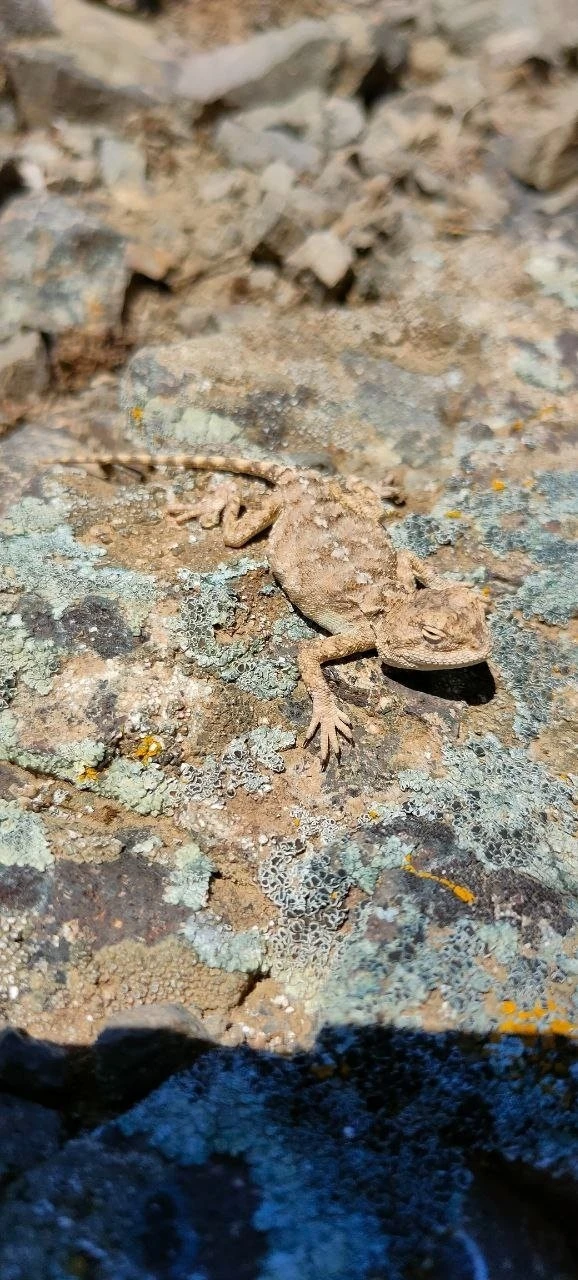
(328,550)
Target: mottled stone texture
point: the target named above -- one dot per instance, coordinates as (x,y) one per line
(366,977)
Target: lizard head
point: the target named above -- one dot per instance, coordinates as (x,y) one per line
(433,630)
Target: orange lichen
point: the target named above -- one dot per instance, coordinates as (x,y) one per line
(137,414)
(540,1020)
(539,416)
(498,486)
(147,749)
(87,774)
(465,895)
(454,515)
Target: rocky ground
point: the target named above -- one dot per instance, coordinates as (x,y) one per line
(345,235)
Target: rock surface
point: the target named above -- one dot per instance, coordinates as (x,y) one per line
(267,68)
(365,977)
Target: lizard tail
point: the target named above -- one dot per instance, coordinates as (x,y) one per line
(183,461)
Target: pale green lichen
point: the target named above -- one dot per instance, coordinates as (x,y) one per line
(551,596)
(531,667)
(236,768)
(66,760)
(23,841)
(144,788)
(190,879)
(556,275)
(424,534)
(543,368)
(365,863)
(39,555)
(24,658)
(218,946)
(212,602)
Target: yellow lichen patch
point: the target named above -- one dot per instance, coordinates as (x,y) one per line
(147,749)
(454,515)
(498,486)
(539,416)
(465,895)
(540,1020)
(137,414)
(87,774)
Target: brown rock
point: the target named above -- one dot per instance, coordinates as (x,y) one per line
(545,154)
(23,367)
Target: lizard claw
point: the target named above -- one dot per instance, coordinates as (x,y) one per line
(330,720)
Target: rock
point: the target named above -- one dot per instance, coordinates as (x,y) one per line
(255,149)
(270,231)
(384,72)
(222,185)
(31,1068)
(428,58)
(326,256)
(277,178)
(39,151)
(344,122)
(122,165)
(27,18)
(29,1134)
(140,1047)
(506,50)
(101,65)
(24,371)
(469,23)
(266,68)
(544,153)
(61,269)
(8,118)
(252,1165)
(356,38)
(385,147)
(194,320)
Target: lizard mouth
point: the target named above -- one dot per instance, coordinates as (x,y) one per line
(437,662)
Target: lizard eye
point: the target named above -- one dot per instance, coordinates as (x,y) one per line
(432,634)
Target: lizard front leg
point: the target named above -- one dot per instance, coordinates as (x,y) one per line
(327,716)
(410,569)
(237,530)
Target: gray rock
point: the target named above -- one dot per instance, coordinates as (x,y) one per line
(29,1134)
(326,256)
(27,18)
(60,268)
(23,367)
(255,149)
(469,23)
(344,123)
(545,154)
(266,68)
(281,220)
(31,1067)
(99,66)
(139,1047)
(248,1165)
(122,164)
